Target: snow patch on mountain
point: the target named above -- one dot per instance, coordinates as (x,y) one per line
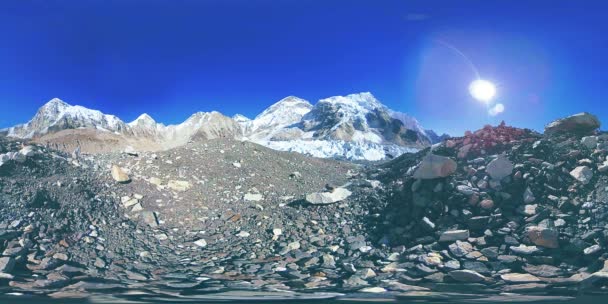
(340,149)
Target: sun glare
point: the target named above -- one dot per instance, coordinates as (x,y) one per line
(482,90)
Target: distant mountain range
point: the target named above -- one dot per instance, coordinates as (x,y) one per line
(356,127)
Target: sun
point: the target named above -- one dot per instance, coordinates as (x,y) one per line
(482,90)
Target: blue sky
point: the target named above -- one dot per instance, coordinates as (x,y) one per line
(172,58)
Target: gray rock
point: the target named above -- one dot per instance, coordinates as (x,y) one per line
(435,166)
(150,218)
(454,235)
(7,264)
(544,237)
(467,276)
(499,168)
(582,123)
(460,249)
(589,141)
(528,196)
(519,278)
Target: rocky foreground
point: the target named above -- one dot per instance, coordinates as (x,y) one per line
(499,210)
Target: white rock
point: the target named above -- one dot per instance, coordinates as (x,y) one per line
(325,198)
(582,174)
(201,243)
(243,234)
(373,290)
(253,197)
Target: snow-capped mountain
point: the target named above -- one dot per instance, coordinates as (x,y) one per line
(57,115)
(277,120)
(360,118)
(355,126)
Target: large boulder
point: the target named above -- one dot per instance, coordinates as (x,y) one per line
(435,166)
(582,123)
(499,168)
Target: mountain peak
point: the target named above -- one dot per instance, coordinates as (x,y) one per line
(364,100)
(240,118)
(143,119)
(56,104)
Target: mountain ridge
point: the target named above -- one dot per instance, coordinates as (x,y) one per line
(338,125)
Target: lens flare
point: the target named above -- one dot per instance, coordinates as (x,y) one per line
(482,90)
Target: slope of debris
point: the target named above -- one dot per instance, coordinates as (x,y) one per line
(503,207)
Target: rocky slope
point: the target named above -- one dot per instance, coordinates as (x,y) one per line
(356,126)
(505,207)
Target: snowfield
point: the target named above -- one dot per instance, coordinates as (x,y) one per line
(340,149)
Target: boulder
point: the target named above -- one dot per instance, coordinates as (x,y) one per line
(119,174)
(589,141)
(519,278)
(544,237)
(435,166)
(325,198)
(582,174)
(500,168)
(582,123)
(467,276)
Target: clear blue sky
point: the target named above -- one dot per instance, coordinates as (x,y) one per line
(171,58)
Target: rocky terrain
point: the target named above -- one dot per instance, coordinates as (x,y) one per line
(500,212)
